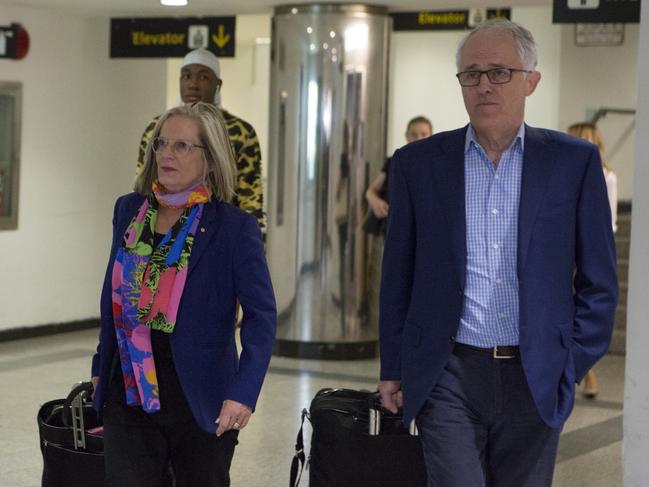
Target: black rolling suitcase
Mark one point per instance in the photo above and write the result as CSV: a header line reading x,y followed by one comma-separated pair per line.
x,y
71,441
355,443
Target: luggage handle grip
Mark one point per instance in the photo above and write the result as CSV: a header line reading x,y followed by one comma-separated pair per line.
x,y
78,389
376,412
374,402
73,412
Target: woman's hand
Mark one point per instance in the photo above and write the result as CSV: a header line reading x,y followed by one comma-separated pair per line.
x,y
380,208
373,195
94,380
233,416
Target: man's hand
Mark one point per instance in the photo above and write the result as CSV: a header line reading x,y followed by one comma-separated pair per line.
x,y
233,415
391,395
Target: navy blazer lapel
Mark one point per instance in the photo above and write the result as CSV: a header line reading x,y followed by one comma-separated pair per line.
x,y
448,169
127,213
207,228
538,161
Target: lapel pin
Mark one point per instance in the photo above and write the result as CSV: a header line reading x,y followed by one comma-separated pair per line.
x,y
202,229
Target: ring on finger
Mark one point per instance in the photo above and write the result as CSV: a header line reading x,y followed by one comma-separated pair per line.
x,y
236,425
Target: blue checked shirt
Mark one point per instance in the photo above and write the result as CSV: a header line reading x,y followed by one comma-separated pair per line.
x,y
492,194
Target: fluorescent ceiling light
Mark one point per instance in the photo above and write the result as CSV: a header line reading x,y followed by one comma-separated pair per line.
x,y
173,3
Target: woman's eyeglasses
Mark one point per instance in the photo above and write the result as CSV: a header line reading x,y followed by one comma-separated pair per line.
x,y
178,146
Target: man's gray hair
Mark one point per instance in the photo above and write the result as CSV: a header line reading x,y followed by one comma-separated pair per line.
x,y
525,44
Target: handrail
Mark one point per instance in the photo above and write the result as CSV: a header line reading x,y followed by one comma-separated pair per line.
x,y
602,112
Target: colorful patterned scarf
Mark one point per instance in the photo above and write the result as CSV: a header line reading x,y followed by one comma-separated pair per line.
x,y
147,285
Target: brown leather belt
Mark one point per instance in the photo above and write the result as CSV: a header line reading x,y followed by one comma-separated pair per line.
x,y
498,352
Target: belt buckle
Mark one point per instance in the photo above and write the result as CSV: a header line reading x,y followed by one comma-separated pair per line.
x,y
497,356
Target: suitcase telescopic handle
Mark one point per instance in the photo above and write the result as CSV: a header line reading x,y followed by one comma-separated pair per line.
x,y
73,412
376,411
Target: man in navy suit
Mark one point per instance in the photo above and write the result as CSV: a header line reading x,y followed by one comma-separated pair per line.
x,y
499,288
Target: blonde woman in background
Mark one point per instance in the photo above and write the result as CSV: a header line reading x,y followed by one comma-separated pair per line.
x,y
418,128
591,133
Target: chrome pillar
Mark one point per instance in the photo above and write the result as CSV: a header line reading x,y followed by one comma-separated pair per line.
x,y
327,138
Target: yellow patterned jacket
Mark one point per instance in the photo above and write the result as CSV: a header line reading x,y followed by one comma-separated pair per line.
x,y
250,195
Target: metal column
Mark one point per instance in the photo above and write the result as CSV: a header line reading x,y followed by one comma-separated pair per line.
x,y
327,138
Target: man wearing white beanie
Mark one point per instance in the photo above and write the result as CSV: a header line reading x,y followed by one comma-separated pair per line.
x,y
200,80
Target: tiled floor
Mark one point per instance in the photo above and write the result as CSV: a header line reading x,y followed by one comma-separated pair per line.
x,y
35,370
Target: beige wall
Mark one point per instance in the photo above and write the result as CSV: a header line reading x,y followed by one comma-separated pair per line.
x,y
636,379
596,77
82,115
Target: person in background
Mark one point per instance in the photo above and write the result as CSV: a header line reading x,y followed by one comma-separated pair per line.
x,y
498,286
200,80
377,192
591,133
169,381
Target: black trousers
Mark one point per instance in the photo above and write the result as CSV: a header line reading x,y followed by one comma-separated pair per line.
x,y
480,427
139,448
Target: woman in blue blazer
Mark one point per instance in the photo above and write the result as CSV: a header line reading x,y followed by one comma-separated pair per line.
x,y
169,381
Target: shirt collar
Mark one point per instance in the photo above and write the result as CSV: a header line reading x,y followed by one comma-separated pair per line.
x,y
470,138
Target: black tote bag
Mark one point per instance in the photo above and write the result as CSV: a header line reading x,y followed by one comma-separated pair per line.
x,y
72,457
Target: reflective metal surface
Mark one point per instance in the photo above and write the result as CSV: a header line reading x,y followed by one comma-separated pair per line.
x,y
327,126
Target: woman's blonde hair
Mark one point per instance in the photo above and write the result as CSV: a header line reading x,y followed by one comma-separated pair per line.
x,y
589,131
220,170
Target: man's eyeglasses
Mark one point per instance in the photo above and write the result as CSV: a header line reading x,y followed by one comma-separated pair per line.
x,y
179,147
497,76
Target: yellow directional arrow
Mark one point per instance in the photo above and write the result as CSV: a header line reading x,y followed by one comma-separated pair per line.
x,y
221,39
